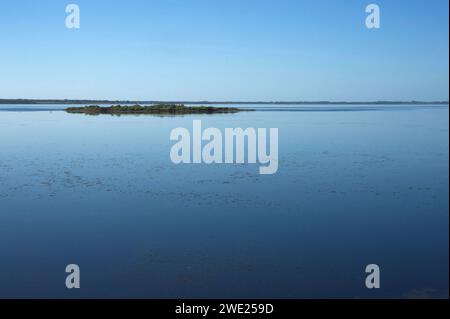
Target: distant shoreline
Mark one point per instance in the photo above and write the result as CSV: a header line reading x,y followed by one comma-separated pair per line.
x,y
89,102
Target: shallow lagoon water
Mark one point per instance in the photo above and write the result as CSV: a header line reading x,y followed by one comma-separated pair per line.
x,y
354,187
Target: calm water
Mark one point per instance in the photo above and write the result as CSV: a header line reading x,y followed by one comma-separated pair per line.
x,y
355,186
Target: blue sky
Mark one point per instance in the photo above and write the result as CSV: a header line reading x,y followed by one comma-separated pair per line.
x,y
225,50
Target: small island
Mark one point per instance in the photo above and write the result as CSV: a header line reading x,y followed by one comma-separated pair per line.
x,y
157,109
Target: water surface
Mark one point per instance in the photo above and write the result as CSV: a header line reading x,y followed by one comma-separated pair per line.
x,y
356,185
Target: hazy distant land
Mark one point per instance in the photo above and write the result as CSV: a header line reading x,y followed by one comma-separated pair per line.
x,y
121,102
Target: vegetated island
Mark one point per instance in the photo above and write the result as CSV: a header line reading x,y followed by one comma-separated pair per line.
x,y
157,109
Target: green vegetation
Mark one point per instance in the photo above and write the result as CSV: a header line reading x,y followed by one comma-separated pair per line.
x,y
158,109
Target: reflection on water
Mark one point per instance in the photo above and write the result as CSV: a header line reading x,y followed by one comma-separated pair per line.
x,y
353,188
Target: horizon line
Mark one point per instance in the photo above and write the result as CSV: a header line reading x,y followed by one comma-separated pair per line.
x,y
107,101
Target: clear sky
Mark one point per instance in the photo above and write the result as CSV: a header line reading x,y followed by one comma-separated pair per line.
x,y
225,50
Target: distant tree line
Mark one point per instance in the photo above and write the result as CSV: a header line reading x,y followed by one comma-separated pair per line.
x,y
90,102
